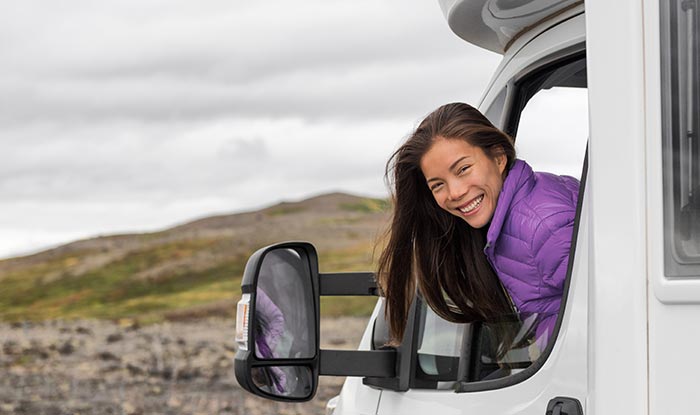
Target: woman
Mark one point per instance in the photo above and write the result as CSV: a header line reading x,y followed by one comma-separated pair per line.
x,y
269,330
481,234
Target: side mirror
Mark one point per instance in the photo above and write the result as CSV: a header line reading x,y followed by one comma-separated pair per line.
x,y
277,323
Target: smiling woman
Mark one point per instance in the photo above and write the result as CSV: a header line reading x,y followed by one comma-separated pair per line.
x,y
487,238
467,187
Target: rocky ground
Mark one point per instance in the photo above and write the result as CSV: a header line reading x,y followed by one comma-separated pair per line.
x,y
97,367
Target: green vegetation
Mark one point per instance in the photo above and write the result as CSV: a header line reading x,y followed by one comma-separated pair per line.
x,y
115,290
367,205
347,306
153,277
355,258
285,209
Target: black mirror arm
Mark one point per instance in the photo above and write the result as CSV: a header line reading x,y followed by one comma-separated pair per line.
x,y
373,363
348,283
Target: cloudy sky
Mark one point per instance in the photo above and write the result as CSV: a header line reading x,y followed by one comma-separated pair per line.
x,y
134,115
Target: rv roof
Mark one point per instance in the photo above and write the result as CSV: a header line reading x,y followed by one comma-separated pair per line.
x,y
496,24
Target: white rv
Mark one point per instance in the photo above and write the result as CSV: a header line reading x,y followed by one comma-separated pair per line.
x,y
613,88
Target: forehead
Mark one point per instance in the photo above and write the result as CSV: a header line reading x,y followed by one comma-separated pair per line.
x,y
445,152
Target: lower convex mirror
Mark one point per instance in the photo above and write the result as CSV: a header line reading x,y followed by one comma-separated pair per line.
x,y
284,381
277,323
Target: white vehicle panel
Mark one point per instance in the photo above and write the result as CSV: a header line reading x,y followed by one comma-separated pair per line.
x,y
618,300
356,398
496,25
674,305
565,36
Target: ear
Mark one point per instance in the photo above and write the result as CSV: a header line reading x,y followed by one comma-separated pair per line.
x,y
501,161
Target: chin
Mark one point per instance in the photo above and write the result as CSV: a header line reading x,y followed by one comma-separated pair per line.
x,y
477,226
476,223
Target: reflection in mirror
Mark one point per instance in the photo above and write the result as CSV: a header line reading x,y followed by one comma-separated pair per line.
x,y
284,308
287,381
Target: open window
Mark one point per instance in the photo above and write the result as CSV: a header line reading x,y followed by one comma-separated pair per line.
x,y
549,117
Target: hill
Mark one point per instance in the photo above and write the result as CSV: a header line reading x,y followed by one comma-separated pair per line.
x,y
188,271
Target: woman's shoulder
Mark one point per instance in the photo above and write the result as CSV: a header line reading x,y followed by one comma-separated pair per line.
x,y
549,200
531,202
548,209
551,188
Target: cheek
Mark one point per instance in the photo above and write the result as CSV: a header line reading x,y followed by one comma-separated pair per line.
x,y
439,199
497,186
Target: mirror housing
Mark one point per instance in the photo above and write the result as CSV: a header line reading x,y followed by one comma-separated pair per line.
x,y
278,325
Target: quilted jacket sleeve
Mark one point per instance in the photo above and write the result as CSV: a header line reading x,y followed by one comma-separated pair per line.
x,y
273,317
551,253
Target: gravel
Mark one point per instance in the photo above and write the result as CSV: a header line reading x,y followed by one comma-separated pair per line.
x,y
98,367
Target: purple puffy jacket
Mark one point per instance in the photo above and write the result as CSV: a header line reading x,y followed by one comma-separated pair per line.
x,y
529,238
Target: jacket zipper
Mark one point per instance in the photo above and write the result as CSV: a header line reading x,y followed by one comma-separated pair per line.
x,y
500,283
510,300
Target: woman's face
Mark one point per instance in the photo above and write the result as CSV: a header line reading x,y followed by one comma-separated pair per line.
x,y
464,180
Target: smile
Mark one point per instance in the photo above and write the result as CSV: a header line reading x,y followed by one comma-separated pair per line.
x,y
471,205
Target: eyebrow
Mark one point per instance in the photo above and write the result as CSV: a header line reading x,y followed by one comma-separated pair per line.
x,y
452,166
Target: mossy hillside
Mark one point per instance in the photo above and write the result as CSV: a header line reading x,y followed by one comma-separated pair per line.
x,y
367,205
186,271
112,291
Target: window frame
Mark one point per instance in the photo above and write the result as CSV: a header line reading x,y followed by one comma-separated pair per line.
x,y
676,264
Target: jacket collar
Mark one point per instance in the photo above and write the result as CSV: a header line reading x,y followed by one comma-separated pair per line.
x,y
518,183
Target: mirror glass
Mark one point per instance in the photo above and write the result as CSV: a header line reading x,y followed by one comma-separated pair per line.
x,y
285,326
287,381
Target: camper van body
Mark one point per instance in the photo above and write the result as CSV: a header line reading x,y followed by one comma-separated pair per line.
x,y
629,328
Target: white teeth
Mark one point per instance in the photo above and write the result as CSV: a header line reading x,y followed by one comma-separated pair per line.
x,y
473,205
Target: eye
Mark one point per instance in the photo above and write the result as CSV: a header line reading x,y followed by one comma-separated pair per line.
x,y
463,169
435,187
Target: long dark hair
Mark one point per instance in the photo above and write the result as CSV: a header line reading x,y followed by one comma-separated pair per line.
x,y
429,247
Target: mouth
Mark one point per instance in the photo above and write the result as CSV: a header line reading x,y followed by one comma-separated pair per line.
x,y
471,206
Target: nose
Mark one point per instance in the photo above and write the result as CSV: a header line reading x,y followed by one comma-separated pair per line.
x,y
456,191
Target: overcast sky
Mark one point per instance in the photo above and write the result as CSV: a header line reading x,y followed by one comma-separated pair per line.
x,y
135,115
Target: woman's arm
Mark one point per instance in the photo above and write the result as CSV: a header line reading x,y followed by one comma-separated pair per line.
x,y
552,254
273,316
